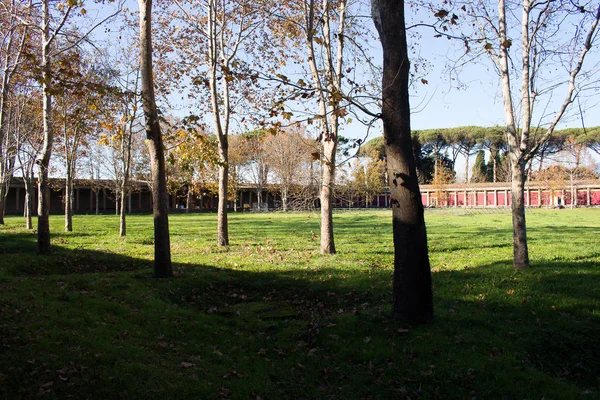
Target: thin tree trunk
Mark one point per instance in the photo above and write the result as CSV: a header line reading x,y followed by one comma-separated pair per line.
x,y
160,197
222,226
520,251
69,199
516,148
328,177
122,211
412,294
3,192
467,165
28,208
43,160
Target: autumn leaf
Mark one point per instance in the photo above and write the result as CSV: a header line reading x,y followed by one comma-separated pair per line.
x,y
441,14
186,364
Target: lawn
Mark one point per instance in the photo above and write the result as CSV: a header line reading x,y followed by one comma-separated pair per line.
x,y
271,318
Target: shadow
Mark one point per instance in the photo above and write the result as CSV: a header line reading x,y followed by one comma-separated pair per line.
x,y
496,332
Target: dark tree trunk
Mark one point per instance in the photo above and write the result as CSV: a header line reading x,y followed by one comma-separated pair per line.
x,y
160,197
122,217
3,192
412,294
69,199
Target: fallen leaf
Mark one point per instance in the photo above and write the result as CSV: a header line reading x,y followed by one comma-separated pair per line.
x,y
186,364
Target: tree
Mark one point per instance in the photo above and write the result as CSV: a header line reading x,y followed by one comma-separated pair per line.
x,y
215,46
77,102
28,138
492,140
412,298
160,198
257,168
534,60
479,168
15,38
52,25
287,156
123,113
368,177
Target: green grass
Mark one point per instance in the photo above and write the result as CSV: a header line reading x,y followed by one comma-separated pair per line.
x,y
271,318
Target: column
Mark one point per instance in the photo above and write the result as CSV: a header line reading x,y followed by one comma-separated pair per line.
x,y
466,199
495,197
77,199
18,198
540,198
588,197
505,197
485,198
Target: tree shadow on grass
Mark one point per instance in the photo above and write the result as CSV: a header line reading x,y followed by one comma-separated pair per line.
x,y
494,333
547,314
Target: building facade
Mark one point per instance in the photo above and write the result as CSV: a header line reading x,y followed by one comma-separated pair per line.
x,y
100,197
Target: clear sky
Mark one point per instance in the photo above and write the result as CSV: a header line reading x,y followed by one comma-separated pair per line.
x,y
478,101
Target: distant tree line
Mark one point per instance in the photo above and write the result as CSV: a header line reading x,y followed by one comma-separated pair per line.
x,y
436,152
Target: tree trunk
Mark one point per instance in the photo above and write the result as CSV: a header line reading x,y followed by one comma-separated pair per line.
x,y
3,192
69,200
43,160
328,177
284,196
160,197
467,165
520,251
494,154
122,217
222,226
188,201
412,294
28,208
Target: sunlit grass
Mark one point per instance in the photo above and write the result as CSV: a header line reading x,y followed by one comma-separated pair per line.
x,y
270,317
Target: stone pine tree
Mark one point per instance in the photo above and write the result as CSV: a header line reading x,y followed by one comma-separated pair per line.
x,y
160,198
412,294
479,168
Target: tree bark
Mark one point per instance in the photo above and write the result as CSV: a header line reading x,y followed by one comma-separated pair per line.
x,y
69,199
2,202
28,209
222,225
122,210
328,177
412,294
517,188
43,160
160,197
